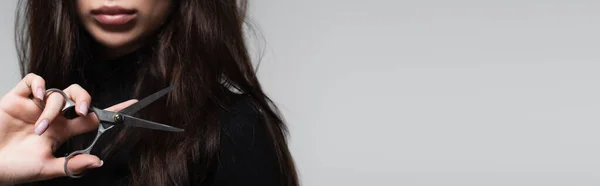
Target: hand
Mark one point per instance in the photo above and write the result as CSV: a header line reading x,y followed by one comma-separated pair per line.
x,y
29,135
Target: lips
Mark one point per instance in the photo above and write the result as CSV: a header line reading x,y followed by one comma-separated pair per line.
x,y
114,15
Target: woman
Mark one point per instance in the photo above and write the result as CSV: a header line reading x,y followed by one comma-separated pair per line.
x,y
109,53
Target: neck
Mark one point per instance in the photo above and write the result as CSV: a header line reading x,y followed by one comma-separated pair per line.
x,y
104,53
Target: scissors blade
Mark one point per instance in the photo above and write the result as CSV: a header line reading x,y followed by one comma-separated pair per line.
x,y
137,122
146,101
104,115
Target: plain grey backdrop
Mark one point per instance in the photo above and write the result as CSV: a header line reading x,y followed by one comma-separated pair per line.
x,y
428,92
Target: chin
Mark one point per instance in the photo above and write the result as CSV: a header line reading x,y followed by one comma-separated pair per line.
x,y
113,40
113,44
116,41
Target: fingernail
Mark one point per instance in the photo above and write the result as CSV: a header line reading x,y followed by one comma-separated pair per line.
x,y
97,165
40,93
83,108
41,127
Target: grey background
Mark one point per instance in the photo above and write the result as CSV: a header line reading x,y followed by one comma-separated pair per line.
x,y
429,92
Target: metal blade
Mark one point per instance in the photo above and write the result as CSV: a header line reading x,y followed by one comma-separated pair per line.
x,y
137,122
104,115
146,101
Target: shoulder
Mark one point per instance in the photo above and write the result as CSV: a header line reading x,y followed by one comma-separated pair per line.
x,y
243,127
241,122
246,155
238,109
237,104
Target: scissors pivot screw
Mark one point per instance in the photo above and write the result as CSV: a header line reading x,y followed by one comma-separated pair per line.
x,y
118,118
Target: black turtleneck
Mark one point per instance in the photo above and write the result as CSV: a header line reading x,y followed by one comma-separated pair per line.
x,y
244,157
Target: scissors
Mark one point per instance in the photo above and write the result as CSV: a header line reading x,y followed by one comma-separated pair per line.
x,y
110,119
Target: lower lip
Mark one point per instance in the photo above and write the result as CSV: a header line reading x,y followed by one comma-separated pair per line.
x,y
118,19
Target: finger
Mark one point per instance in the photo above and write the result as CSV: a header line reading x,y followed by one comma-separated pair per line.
x,y
81,97
31,83
77,165
121,106
53,107
21,108
77,126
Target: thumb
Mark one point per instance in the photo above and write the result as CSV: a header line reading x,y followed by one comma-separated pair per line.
x,y
77,165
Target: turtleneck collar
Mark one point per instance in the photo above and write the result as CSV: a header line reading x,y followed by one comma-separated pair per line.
x,y
111,82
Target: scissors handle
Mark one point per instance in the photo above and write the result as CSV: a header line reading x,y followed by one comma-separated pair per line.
x,y
73,154
68,109
69,112
101,130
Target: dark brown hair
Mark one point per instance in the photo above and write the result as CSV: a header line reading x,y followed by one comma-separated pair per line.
x,y
200,46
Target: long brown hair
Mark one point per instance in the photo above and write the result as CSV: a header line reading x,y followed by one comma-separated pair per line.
x,y
199,48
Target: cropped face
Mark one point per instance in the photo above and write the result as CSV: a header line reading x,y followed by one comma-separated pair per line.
x,y
122,24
